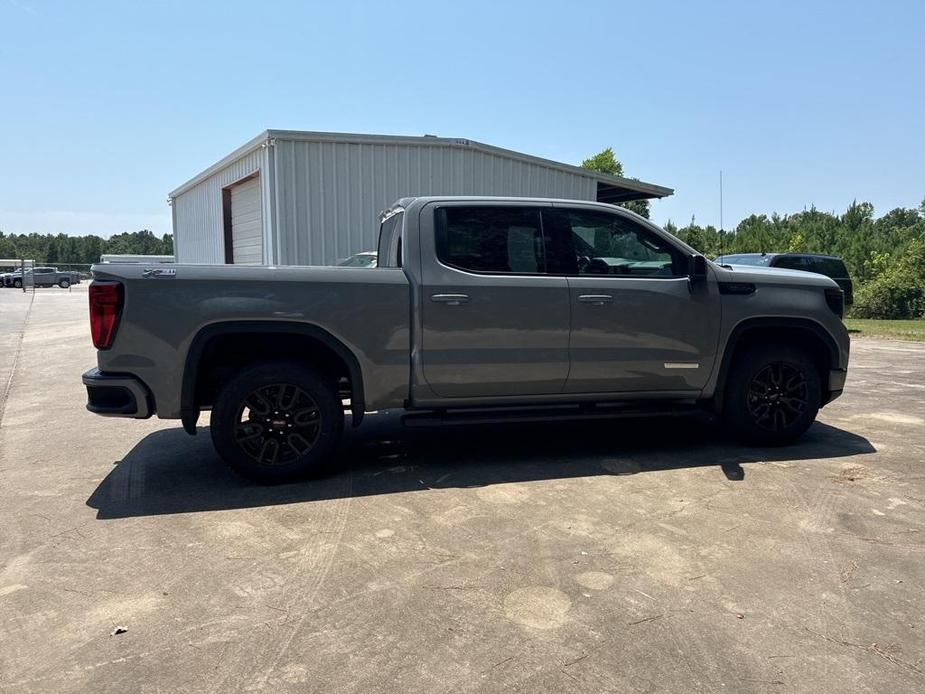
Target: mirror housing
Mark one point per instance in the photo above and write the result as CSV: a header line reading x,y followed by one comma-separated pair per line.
x,y
696,269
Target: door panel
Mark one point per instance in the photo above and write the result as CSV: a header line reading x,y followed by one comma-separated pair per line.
x,y
495,336
502,330
651,335
637,324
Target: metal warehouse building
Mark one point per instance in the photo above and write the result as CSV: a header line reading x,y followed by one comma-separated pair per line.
x,y
307,198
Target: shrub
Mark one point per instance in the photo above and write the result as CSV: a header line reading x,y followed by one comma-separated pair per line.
x,y
890,297
897,293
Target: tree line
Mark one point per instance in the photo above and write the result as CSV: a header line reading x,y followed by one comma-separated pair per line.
x,y
61,249
885,255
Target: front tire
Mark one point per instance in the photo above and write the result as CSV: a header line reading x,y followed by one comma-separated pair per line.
x,y
278,422
773,395
64,284
17,284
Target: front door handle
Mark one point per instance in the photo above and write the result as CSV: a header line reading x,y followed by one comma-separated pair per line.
x,y
596,299
450,299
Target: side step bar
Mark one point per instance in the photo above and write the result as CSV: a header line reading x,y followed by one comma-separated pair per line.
x,y
509,415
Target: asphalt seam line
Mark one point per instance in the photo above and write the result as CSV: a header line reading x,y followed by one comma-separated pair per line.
x,y
16,353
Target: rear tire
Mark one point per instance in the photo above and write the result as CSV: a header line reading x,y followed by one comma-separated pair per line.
x,y
278,422
17,284
772,396
64,284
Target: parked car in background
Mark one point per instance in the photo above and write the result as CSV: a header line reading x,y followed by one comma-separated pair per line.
x,y
41,277
828,265
14,278
364,259
480,310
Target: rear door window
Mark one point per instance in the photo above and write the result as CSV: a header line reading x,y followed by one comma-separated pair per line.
x,y
831,267
491,239
793,262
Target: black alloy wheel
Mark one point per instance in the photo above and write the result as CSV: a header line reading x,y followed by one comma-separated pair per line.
x,y
778,396
772,395
278,421
277,424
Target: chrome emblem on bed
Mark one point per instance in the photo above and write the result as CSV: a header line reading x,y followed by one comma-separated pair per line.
x,y
150,272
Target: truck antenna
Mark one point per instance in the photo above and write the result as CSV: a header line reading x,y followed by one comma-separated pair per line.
x,y
721,232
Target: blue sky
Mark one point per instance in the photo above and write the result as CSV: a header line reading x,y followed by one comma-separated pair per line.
x,y
106,107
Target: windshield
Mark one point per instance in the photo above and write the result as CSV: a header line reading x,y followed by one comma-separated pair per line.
x,y
745,259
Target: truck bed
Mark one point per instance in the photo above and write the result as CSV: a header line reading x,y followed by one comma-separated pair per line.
x,y
167,306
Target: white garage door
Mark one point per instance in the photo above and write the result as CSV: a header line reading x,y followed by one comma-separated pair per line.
x,y
246,223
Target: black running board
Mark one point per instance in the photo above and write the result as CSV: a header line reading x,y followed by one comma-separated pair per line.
x,y
510,415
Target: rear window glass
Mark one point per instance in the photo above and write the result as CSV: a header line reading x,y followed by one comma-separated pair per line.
x,y
388,231
491,239
831,267
794,262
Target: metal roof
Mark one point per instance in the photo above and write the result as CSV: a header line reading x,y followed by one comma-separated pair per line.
x,y
610,188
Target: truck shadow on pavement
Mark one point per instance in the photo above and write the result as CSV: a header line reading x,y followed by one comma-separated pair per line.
x,y
170,472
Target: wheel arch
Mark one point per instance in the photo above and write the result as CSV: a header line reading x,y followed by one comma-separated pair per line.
x,y
809,335
326,345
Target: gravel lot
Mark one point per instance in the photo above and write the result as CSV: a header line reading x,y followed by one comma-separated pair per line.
x,y
614,557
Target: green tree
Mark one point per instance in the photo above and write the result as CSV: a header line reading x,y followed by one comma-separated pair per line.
x,y
606,162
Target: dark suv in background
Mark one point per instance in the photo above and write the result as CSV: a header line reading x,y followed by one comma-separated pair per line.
x,y
828,265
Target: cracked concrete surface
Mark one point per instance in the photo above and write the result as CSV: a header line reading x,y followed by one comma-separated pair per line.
x,y
607,557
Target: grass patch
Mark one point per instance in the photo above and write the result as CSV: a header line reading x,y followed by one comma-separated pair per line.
x,y
895,329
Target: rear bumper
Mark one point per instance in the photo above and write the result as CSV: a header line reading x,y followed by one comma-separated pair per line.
x,y
117,395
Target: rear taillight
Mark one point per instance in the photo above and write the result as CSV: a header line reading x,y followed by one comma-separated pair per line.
x,y
105,309
835,298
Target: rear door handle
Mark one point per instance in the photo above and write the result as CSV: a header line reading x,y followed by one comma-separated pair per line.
x,y
450,299
596,299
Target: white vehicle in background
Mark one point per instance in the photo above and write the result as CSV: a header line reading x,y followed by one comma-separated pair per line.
x,y
363,259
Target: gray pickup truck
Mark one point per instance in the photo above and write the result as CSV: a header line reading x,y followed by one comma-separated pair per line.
x,y
480,309
40,277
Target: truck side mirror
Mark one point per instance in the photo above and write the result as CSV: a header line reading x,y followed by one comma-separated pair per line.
x,y
696,269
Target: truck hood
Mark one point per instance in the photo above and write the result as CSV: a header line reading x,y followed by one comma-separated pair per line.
x,y
772,276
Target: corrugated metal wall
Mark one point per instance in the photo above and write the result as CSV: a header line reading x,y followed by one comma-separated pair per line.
x,y
321,199
197,213
329,194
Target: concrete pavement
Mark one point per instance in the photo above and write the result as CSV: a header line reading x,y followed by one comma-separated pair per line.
x,y
567,558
